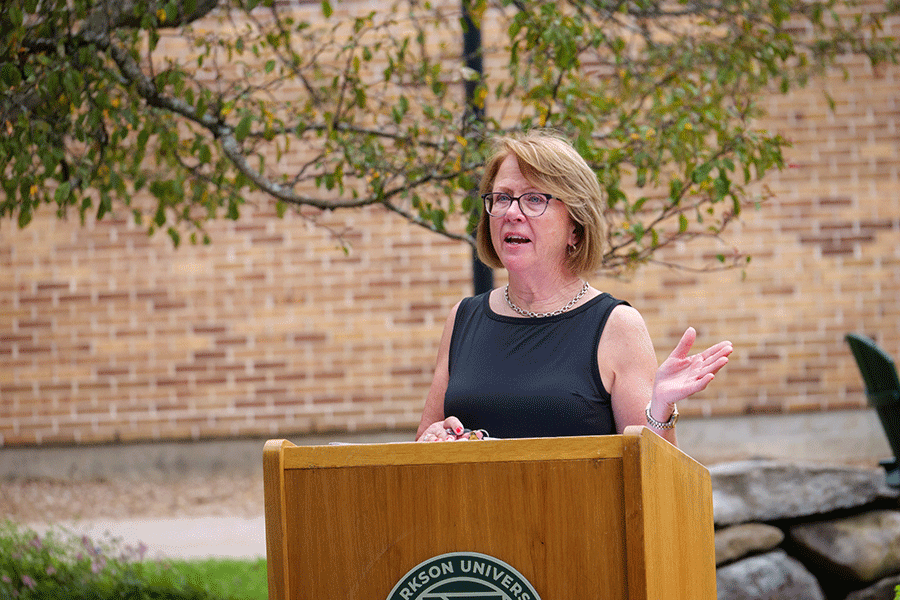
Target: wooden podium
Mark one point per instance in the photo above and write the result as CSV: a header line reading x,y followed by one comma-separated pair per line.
x,y
587,518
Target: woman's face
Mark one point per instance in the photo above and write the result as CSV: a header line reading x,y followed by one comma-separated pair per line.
x,y
525,243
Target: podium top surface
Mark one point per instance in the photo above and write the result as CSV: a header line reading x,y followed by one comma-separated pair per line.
x,y
484,451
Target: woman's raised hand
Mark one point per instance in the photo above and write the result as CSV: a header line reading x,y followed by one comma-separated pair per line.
x,y
680,375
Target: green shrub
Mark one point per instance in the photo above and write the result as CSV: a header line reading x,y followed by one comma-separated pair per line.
x,y
61,564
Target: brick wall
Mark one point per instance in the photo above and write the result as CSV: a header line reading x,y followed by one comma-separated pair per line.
x,y
108,335
825,258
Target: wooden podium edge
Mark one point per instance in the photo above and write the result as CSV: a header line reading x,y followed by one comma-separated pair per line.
x,y
650,519
276,518
633,495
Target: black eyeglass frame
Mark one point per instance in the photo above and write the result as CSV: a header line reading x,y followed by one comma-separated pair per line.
x,y
485,197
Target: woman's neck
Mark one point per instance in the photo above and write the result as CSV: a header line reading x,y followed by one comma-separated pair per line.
x,y
545,294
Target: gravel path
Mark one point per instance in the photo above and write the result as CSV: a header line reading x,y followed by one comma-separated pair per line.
x,y
47,501
51,500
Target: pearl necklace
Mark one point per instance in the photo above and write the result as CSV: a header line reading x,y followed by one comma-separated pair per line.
x,y
534,315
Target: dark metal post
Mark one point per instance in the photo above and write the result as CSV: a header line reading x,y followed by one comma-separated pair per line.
x,y
482,275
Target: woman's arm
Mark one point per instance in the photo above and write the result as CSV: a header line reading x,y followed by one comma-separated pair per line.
x,y
629,371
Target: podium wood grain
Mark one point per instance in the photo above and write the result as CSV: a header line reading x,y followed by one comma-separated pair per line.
x,y
598,518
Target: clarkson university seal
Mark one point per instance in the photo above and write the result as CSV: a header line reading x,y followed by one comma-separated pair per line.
x,y
463,576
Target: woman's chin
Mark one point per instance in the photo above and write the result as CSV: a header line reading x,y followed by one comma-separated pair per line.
x,y
516,263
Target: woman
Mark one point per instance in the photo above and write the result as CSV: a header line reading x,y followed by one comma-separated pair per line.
x,y
549,355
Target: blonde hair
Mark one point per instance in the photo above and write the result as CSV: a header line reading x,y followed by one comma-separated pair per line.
x,y
551,164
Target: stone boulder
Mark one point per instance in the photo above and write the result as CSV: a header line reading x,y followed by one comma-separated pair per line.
x,y
738,541
883,590
770,576
865,547
766,490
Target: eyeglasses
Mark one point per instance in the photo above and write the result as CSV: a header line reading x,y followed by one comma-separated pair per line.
x,y
531,204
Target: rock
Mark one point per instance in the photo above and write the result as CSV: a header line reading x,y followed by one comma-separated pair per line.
x,y
764,490
883,590
865,546
738,541
772,576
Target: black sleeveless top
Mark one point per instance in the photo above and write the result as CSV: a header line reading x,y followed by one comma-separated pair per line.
x,y
529,377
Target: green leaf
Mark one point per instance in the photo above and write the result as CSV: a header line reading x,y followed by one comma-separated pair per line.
x,y
103,206
160,217
10,74
722,186
171,11
675,189
327,9
243,129
641,179
637,230
614,195
233,212
702,172
62,193
25,214
14,15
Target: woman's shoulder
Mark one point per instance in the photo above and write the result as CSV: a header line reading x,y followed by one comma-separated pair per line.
x,y
465,308
472,303
624,322
625,313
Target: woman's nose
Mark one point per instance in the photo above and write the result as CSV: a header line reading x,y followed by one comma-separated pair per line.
x,y
518,214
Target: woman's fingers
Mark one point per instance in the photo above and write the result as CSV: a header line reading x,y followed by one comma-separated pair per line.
x,y
453,426
684,345
448,430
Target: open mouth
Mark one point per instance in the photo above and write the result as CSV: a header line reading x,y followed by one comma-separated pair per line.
x,y
516,239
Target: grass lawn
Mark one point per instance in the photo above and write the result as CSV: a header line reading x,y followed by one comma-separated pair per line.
x,y
221,577
62,565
